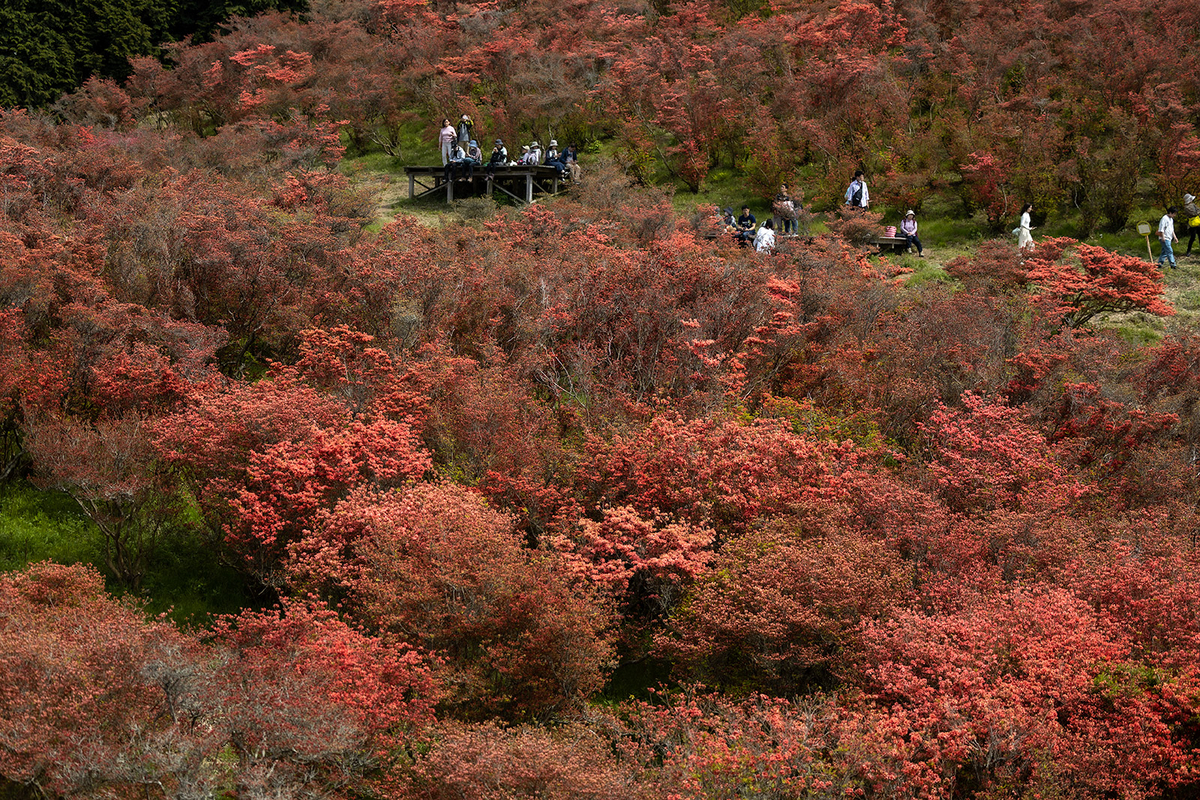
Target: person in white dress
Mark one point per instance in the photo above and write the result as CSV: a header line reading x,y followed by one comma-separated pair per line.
x,y
1024,237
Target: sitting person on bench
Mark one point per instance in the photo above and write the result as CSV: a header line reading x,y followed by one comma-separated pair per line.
x,y
908,229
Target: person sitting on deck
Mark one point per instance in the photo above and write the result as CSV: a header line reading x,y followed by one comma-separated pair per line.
x,y
474,154
570,157
535,154
499,158
554,158
458,160
523,159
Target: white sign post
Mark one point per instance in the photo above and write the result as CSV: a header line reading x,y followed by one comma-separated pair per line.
x,y
1144,230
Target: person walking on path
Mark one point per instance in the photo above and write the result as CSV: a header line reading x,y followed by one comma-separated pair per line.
x,y
1166,232
1193,217
857,194
1024,235
446,138
908,227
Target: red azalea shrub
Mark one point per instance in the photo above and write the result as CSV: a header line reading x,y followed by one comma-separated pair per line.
x,y
439,569
1025,689
780,608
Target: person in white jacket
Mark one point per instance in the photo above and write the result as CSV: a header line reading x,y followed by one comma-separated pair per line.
x,y
857,194
764,240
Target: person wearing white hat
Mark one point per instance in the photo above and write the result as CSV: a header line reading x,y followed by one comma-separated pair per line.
x,y
908,227
1193,217
554,159
535,153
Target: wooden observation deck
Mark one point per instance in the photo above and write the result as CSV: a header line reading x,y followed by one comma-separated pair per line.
x,y
521,182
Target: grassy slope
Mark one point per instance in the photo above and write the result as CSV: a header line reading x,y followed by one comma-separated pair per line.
x,y
944,236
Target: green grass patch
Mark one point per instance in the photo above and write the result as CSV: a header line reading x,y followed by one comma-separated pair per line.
x,y
376,162
724,187
187,580
184,577
44,526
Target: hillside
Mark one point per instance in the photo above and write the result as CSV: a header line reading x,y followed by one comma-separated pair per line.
x,y
310,489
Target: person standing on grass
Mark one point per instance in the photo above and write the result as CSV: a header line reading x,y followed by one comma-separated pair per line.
x,y
446,138
908,227
1193,217
1166,232
1024,234
857,194
785,209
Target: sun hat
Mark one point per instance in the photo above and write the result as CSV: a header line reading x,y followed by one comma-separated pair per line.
x,y
1187,198
554,142
535,144
474,143
524,147
909,213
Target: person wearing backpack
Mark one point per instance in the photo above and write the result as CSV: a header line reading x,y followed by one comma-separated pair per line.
x,y
785,209
1193,217
857,194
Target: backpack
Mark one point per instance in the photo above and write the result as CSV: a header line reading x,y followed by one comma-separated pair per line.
x,y
856,198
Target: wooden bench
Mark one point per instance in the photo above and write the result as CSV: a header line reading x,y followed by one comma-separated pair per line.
x,y
893,243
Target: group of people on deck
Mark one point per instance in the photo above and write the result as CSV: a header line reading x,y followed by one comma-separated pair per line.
x,y
461,154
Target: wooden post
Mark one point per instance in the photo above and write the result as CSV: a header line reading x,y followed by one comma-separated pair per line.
x,y
1144,229
529,187
412,184
450,191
